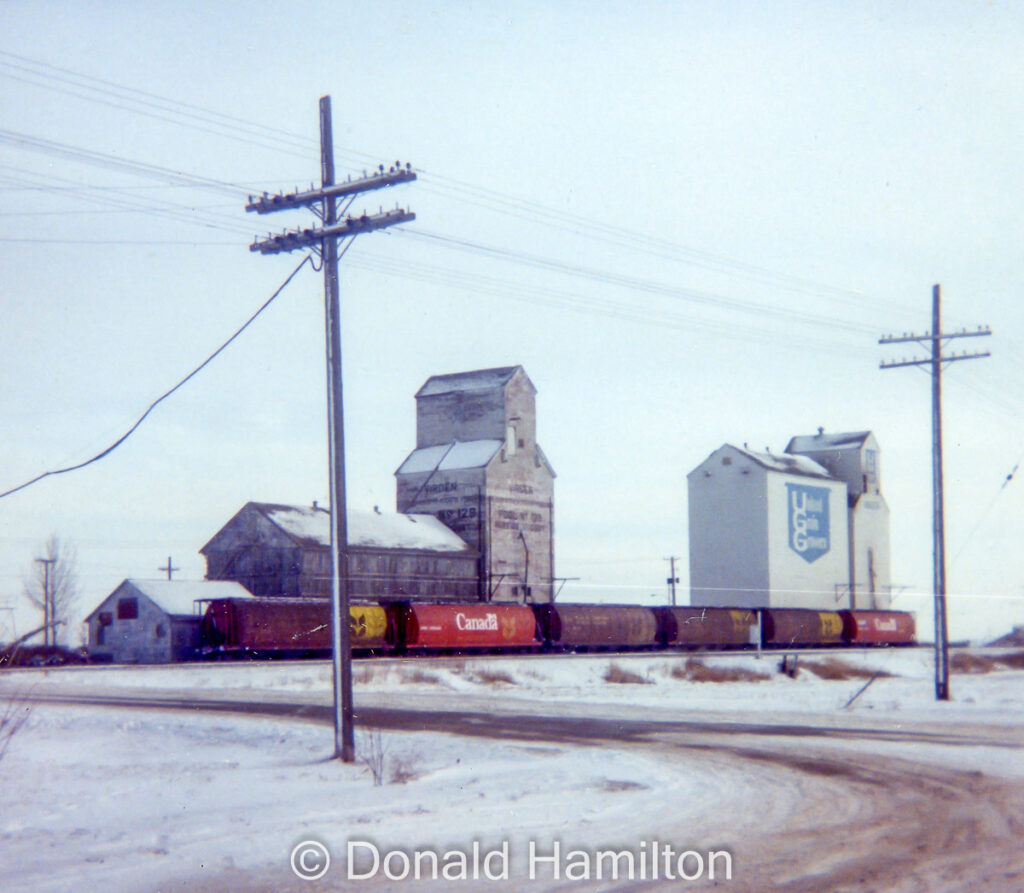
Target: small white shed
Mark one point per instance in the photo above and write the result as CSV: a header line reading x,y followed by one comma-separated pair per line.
x,y
153,621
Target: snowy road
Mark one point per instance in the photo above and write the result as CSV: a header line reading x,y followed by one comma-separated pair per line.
x,y
805,800
541,721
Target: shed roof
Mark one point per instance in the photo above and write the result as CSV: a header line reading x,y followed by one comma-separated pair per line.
x,y
477,380
388,530
810,443
450,456
178,597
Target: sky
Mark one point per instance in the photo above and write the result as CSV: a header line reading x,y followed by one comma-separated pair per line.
x,y
689,222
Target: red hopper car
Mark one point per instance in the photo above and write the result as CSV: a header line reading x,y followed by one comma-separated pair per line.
x,y
459,627
878,627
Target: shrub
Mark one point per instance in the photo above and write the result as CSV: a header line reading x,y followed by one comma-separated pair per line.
x,y
1014,661
619,676
831,668
494,677
697,671
403,769
364,675
962,662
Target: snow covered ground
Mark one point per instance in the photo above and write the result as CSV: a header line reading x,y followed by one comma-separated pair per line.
x,y
663,684
99,798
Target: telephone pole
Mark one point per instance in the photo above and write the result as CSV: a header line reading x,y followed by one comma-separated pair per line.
x,y
48,636
170,569
934,340
673,580
323,241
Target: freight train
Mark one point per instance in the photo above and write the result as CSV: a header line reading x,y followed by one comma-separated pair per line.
x,y
298,627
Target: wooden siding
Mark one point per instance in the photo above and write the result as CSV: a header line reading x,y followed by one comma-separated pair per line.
x,y
373,573
505,509
150,637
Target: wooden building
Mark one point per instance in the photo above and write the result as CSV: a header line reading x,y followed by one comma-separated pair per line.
x,y
284,550
152,621
478,468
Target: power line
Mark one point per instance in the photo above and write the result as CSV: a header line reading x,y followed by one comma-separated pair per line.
x,y
104,159
578,303
177,211
193,242
151,207
664,248
109,196
166,394
299,144
603,277
143,99
194,116
461,190
609,278
94,211
169,118
988,510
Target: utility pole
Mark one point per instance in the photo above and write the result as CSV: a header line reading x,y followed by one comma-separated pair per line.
x,y
673,580
170,568
934,340
48,637
323,241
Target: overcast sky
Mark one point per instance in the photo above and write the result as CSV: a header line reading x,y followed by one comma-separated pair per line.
x,y
689,222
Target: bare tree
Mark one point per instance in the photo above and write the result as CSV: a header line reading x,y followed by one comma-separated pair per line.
x,y
373,751
54,573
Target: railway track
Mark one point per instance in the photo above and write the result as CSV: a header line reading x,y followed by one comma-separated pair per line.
x,y
441,660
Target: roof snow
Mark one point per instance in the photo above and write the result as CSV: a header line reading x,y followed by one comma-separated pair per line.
x,y
179,596
387,530
478,380
786,463
810,443
450,456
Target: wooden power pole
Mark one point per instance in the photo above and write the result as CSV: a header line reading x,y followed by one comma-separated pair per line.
x,y
169,569
49,635
324,242
934,341
673,580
